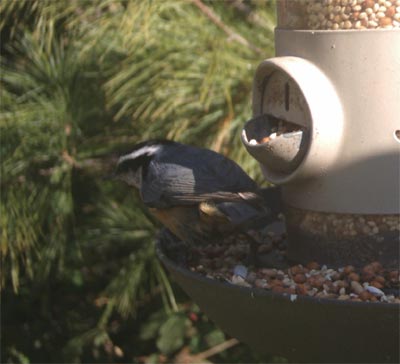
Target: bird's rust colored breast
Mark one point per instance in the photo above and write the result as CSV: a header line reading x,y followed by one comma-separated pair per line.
x,y
178,219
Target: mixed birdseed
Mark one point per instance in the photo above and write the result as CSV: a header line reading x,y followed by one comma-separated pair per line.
x,y
339,14
344,225
281,128
225,262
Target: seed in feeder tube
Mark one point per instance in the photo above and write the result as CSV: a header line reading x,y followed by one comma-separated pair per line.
x,y
347,24
272,136
265,140
390,12
369,3
385,21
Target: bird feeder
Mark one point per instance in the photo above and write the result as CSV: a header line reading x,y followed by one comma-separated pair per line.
x,y
326,126
326,129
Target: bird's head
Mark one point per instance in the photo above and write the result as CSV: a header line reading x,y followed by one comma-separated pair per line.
x,y
131,166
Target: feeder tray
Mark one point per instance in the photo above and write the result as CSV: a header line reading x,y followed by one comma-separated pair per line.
x,y
300,328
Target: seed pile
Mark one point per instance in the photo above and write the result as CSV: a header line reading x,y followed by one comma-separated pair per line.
x,y
281,128
372,283
345,14
343,226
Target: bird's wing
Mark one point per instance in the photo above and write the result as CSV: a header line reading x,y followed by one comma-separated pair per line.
x,y
237,212
191,175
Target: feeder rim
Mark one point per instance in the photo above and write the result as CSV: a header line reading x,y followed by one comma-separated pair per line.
x,y
263,292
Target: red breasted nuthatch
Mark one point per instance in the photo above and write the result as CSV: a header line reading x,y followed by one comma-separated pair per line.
x,y
198,194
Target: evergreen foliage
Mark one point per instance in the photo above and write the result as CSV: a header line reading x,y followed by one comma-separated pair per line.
x,y
81,81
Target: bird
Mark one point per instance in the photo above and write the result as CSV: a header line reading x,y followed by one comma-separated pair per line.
x,y
197,194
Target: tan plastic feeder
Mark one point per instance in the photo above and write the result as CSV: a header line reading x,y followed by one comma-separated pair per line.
x,y
326,125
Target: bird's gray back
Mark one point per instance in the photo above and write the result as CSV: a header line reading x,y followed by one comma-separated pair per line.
x,y
186,175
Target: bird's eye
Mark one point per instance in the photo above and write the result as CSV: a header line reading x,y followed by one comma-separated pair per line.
x,y
133,164
127,165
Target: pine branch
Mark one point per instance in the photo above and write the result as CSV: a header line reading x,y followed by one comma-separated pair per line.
x,y
251,16
231,33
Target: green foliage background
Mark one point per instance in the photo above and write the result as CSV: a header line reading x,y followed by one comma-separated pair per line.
x,y
81,81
